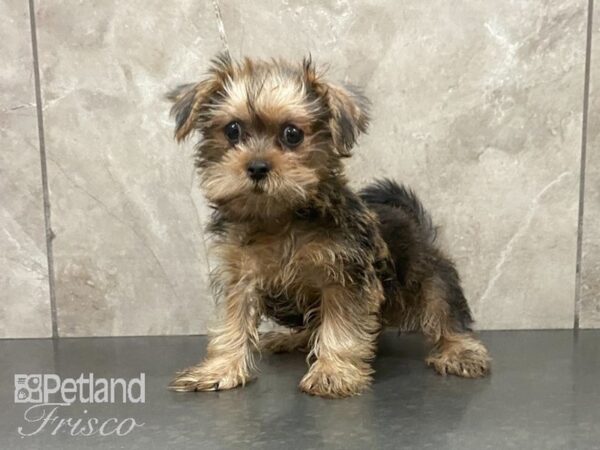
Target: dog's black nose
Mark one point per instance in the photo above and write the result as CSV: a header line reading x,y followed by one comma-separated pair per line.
x,y
258,169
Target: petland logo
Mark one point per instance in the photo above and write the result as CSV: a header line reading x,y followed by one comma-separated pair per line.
x,y
51,395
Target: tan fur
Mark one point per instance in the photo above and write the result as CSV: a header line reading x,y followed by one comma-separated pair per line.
x,y
225,184
229,362
460,354
344,343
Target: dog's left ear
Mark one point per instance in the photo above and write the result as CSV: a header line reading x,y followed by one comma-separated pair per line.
x,y
349,116
348,109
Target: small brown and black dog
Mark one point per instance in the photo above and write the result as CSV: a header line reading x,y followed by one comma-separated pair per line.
x,y
296,245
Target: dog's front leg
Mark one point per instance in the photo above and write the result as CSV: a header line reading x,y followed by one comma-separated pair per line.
x,y
229,361
344,343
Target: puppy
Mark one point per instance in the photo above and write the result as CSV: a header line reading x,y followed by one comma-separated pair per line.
x,y
296,245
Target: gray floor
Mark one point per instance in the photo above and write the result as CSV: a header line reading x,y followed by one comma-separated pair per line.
x,y
544,393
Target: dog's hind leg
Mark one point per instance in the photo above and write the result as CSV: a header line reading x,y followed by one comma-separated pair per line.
x,y
445,321
286,341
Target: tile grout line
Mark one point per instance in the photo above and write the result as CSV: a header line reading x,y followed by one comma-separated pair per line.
x,y
586,95
42,144
221,26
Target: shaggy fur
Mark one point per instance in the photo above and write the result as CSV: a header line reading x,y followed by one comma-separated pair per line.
x,y
298,246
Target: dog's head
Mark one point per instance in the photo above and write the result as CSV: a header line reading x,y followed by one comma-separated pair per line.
x,y
270,133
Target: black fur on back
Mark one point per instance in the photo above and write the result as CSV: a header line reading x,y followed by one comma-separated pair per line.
x,y
410,235
389,193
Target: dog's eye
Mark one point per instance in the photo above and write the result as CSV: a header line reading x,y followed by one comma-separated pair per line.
x,y
291,136
233,132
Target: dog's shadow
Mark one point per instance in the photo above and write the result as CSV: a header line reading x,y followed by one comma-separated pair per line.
x,y
399,355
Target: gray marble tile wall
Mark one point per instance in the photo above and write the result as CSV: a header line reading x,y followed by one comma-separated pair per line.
x,y
24,285
478,106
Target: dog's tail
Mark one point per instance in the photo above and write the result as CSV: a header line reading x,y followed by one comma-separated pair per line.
x,y
389,193
405,226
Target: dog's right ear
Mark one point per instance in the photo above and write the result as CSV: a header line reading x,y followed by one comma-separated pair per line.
x,y
191,100
186,99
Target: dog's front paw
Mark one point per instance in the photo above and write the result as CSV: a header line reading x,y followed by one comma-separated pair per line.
x,y
331,380
210,376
